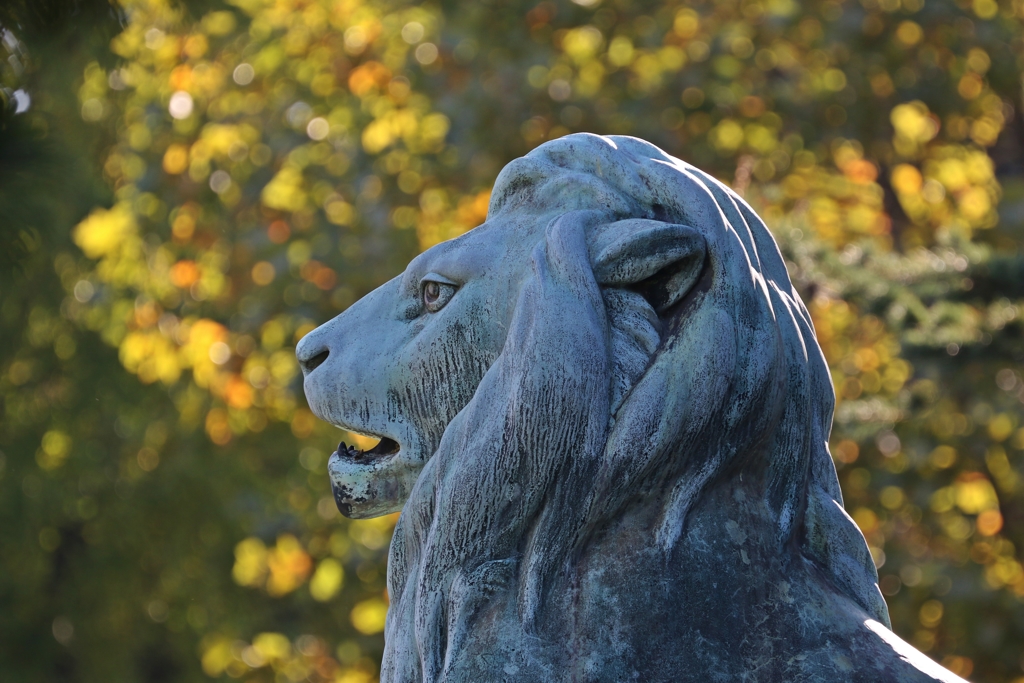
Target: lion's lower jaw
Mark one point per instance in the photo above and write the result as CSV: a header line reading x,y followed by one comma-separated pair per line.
x,y
724,604
371,486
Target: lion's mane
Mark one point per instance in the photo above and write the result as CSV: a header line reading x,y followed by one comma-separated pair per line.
x,y
659,347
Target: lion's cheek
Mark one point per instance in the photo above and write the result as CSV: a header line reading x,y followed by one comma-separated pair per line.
x,y
365,490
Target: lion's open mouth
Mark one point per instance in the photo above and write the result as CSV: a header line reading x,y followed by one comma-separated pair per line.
x,y
385,447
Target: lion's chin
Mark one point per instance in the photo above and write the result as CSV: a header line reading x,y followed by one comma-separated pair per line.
x,y
371,483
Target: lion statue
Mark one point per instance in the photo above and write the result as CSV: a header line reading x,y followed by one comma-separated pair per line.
x,y
604,416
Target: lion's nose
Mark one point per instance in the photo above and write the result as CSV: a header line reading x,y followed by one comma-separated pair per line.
x,y
315,362
311,353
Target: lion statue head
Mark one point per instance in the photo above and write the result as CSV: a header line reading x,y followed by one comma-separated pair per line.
x,y
601,411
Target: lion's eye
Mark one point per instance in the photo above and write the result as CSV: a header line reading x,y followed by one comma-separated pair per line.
x,y
436,294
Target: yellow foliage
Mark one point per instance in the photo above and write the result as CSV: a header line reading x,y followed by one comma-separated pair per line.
x,y
218,23
943,499
354,676
866,519
273,335
201,337
217,655
338,210
250,562
943,456
433,130
289,566
366,77
54,450
892,497
727,136
975,203
582,44
931,613
218,427
1000,427
368,616
472,210
906,179
985,9
175,159
104,230
989,522
217,141
283,366
975,494
272,646
151,356
686,23
263,273
184,273
56,443
285,190
327,580
909,33
914,121
761,138
620,51
238,393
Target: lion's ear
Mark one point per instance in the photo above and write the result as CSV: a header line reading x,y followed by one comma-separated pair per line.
x,y
660,260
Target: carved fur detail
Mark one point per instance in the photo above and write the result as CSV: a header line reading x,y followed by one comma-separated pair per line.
x,y
634,392
532,466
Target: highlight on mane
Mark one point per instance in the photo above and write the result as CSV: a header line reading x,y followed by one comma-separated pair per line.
x,y
627,178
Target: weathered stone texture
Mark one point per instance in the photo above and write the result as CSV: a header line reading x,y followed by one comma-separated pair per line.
x,y
604,417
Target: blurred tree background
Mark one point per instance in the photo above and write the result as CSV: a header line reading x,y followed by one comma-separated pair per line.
x,y
189,187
